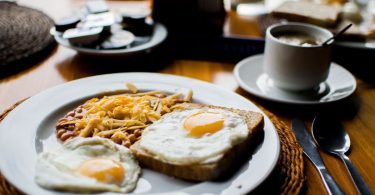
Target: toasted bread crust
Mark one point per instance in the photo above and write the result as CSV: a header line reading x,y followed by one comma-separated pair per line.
x,y
210,171
309,12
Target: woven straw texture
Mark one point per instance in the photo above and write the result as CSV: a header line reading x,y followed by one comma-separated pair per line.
x,y
290,166
24,32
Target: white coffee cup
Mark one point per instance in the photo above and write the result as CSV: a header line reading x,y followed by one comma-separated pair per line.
x,y
296,67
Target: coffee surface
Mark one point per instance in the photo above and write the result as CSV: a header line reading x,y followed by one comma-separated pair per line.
x,y
299,39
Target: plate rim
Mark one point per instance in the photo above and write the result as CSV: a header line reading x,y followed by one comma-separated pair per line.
x,y
243,85
272,129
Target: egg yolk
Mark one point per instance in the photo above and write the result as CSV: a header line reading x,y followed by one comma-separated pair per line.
x,y
103,170
202,123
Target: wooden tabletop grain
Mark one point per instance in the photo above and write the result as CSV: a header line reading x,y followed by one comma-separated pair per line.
x,y
356,113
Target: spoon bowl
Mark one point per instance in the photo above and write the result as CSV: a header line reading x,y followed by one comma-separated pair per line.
x,y
330,135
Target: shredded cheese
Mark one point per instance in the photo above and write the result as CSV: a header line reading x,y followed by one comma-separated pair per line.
x,y
119,116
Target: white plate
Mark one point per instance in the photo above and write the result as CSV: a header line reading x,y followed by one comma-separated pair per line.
x,y
30,129
250,76
158,36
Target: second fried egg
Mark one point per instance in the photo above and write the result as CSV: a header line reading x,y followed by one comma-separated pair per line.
x,y
88,165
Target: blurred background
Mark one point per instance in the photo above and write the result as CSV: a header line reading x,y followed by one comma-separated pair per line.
x,y
215,30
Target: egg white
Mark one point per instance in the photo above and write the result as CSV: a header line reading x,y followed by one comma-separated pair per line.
x,y
168,141
58,169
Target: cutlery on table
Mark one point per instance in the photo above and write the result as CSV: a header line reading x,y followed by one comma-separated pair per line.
x,y
332,138
310,149
338,34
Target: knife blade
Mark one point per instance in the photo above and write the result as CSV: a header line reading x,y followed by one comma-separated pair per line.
x,y
310,150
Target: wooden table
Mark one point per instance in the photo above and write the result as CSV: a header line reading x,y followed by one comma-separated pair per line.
x,y
63,65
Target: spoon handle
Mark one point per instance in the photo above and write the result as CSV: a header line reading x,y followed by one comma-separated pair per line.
x,y
329,182
358,180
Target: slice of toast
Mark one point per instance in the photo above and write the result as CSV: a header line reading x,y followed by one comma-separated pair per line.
x,y
309,12
207,171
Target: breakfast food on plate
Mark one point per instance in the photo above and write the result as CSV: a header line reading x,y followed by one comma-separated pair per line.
x,y
105,138
120,118
333,15
197,142
309,12
88,165
164,131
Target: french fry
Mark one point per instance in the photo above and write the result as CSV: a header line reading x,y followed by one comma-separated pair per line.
x,y
188,96
132,87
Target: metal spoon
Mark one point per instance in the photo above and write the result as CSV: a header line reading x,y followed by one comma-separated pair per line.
x,y
332,137
338,34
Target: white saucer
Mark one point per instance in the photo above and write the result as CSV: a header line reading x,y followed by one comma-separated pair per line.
x,y
250,76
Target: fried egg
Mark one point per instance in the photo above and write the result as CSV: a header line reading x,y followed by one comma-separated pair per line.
x,y
88,165
194,136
